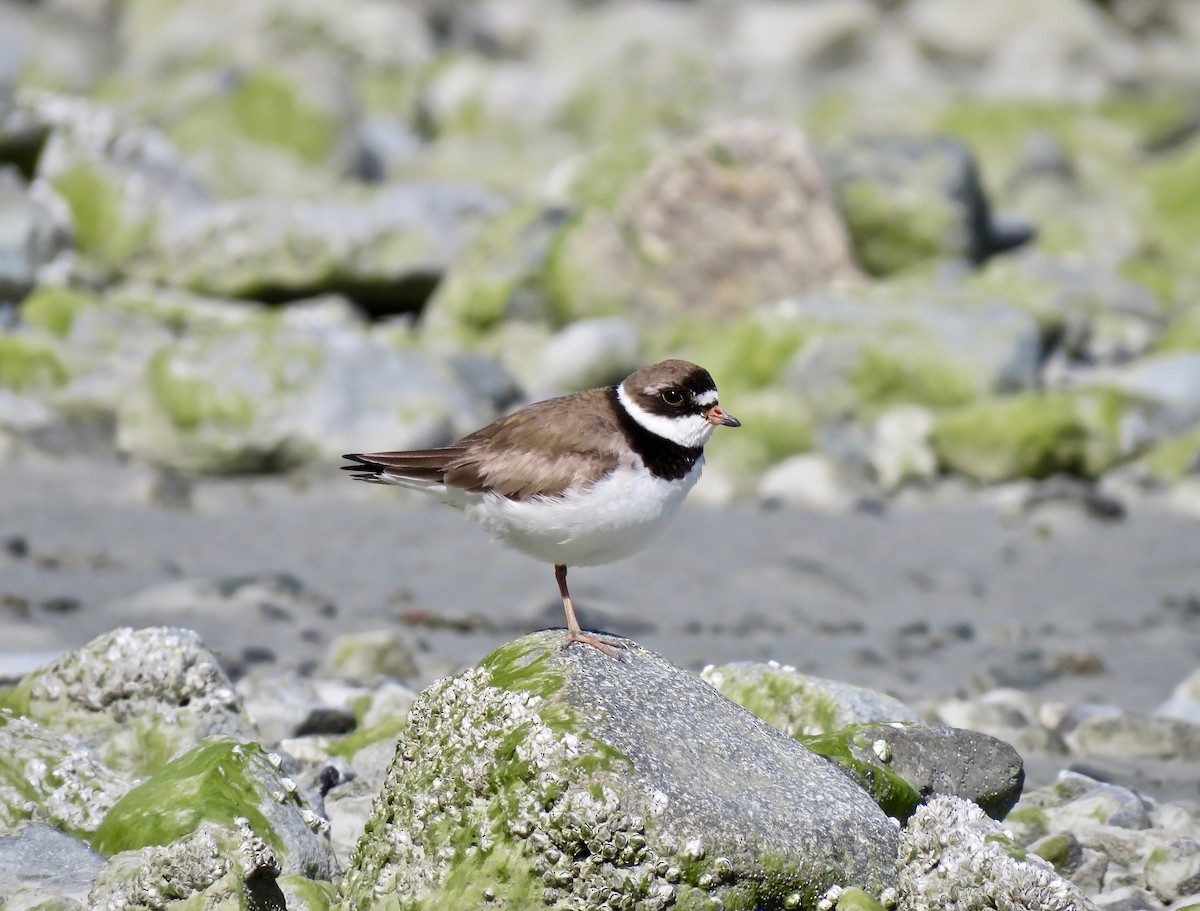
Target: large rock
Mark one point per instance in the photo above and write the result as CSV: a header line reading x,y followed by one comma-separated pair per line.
x,y
136,697
552,778
280,389
738,217
386,251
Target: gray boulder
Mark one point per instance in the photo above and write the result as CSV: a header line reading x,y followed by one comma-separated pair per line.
x,y
953,858
931,761
567,777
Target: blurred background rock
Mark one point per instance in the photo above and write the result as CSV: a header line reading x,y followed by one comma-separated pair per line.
x,y
243,235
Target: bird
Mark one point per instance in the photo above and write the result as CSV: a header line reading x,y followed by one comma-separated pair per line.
x,y
578,480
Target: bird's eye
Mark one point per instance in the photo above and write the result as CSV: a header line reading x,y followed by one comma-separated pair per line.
x,y
673,397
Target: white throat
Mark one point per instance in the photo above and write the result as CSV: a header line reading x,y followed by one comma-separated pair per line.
x,y
689,430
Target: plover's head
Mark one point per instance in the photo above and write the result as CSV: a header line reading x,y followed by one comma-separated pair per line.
x,y
675,400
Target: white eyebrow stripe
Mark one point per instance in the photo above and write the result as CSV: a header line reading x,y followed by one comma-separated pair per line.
x,y
706,398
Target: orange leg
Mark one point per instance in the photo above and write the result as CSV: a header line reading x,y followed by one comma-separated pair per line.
x,y
575,633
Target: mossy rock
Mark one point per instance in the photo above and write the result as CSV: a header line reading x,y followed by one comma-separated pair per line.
x,y
1033,435
53,777
53,308
29,363
1170,460
551,778
137,697
221,781
108,232
801,704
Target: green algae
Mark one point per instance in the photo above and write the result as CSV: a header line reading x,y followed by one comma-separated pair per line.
x,y
191,401
263,107
28,363
1032,435
891,792
53,308
890,233
104,231
883,378
217,781
1171,459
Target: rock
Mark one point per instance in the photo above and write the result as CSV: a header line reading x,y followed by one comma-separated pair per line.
x,y
116,179
784,40
386,252
1032,435
53,778
1003,718
30,236
1168,383
586,354
909,201
865,352
287,705
601,802
40,864
738,217
217,866
900,450
136,697
1128,734
953,856
278,392
933,760
801,704
1184,701
218,782
1007,50
811,481
364,657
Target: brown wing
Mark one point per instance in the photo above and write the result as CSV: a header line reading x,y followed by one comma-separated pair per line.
x,y
536,451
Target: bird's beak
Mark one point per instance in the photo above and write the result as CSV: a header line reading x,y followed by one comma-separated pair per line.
x,y
717,417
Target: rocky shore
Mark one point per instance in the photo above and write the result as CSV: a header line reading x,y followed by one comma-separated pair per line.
x,y
942,266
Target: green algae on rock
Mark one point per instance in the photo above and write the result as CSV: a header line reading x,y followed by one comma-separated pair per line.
x,y
225,867
136,697
565,779
953,856
220,781
1033,435
800,704
54,777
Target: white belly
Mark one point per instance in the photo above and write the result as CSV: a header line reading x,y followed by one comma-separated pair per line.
x,y
610,521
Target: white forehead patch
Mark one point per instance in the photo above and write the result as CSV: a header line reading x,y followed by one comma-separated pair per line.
x,y
689,430
706,398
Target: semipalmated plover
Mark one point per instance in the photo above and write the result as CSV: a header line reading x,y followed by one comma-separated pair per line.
x,y
577,480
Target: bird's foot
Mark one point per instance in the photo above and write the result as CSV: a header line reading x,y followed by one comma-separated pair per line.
x,y
606,646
